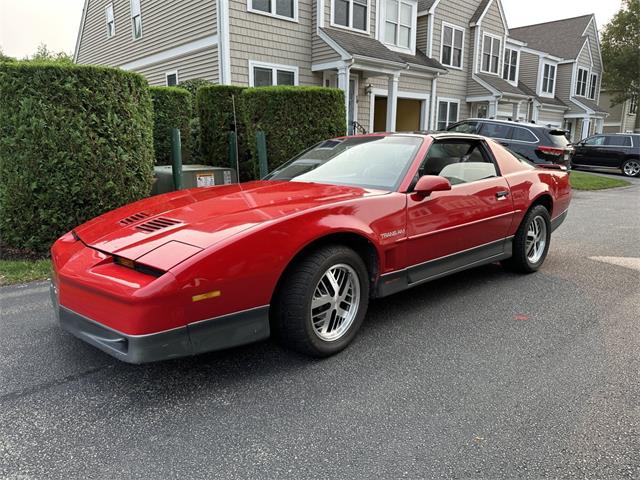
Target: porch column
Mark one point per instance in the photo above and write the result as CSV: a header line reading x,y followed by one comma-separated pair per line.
x,y
516,112
493,109
392,102
586,123
343,84
434,102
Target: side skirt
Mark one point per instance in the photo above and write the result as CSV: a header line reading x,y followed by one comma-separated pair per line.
x,y
400,280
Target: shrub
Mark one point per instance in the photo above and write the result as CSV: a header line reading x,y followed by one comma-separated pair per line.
x,y
75,141
215,107
171,109
292,118
193,85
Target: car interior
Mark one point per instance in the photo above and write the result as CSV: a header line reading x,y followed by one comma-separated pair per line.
x,y
459,161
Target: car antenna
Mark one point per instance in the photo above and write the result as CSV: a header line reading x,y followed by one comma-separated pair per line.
x,y
235,129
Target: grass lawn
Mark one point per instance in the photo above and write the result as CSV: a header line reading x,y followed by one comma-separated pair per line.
x,y
22,271
587,181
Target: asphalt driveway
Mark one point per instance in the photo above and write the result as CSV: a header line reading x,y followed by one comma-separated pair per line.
x,y
483,375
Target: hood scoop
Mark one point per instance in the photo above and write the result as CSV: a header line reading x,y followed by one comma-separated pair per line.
x,y
133,219
157,224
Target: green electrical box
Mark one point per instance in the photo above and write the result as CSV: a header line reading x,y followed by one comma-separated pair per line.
x,y
192,176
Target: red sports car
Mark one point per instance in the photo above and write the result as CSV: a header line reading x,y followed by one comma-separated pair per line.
x,y
300,253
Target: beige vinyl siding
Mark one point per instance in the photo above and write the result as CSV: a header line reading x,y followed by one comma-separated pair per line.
x,y
550,116
529,68
270,40
564,87
321,52
454,84
492,23
475,89
583,59
593,43
163,27
203,64
422,33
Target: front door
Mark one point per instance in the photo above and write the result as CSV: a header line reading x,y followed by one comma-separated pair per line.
x,y
465,225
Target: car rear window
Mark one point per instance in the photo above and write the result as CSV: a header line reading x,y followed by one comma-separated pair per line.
x,y
618,141
558,138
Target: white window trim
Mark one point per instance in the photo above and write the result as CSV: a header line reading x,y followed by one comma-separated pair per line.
x,y
351,29
517,50
166,77
586,90
131,15
273,13
595,90
448,101
542,93
382,18
500,52
455,27
113,18
274,67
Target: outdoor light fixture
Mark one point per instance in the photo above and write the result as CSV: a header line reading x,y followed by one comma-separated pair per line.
x,y
368,89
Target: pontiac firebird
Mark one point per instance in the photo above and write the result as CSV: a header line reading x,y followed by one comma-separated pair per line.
x,y
300,253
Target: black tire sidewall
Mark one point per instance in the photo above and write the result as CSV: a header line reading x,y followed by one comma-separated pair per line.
x,y
537,211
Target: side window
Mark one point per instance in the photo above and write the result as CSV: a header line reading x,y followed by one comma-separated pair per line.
x,y
459,161
618,141
524,135
466,127
594,141
495,130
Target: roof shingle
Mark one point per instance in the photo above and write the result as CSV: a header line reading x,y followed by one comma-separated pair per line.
x,y
479,11
501,85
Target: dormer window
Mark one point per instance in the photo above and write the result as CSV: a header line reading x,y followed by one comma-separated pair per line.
x,y
490,54
452,51
593,83
399,26
353,14
549,79
581,84
510,65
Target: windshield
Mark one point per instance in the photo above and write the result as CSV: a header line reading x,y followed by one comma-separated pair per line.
x,y
369,162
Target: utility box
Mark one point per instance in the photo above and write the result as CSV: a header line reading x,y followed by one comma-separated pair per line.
x,y
192,176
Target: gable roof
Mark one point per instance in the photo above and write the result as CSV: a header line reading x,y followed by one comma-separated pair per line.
x,y
479,12
425,5
545,100
562,38
500,85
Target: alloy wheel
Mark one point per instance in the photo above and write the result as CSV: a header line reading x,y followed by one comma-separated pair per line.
x,y
335,302
632,168
536,239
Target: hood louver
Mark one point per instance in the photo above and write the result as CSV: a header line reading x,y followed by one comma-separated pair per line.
x,y
133,219
157,224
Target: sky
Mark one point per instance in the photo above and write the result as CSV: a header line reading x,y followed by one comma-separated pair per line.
x,y
25,24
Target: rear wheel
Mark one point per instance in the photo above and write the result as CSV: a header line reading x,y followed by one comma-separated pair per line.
x,y
631,168
322,301
531,243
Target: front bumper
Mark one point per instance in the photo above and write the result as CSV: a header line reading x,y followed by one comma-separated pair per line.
x,y
208,335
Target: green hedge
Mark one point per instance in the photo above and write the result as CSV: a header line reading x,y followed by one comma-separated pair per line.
x,y
171,109
75,141
193,85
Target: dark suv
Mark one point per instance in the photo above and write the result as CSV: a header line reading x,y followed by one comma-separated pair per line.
x,y
615,151
537,143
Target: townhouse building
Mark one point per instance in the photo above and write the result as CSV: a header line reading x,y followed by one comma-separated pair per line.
x,y
403,64
622,116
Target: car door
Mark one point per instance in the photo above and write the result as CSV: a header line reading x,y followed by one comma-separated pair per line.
x,y
465,225
615,150
589,151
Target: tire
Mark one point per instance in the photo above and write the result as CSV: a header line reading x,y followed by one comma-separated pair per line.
x,y
527,258
308,280
631,168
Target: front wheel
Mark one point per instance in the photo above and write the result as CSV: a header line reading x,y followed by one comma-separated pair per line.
x,y
531,243
631,168
322,301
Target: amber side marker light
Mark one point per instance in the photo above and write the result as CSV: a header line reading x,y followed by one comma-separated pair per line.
x,y
205,296
128,263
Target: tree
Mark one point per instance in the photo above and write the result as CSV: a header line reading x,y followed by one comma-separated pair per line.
x,y
46,55
621,54
5,58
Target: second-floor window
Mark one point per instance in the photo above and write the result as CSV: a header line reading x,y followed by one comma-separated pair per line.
x,y
490,54
111,22
398,28
452,46
510,65
581,84
136,19
351,14
549,79
277,8
593,84
633,105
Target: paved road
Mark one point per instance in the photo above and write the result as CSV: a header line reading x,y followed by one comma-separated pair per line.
x,y
482,375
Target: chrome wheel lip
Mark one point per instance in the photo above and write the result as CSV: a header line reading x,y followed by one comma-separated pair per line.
x,y
536,239
631,168
335,302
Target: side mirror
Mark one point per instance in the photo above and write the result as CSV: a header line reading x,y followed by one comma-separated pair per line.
x,y
427,184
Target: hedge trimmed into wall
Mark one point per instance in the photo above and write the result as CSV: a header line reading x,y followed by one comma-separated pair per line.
x,y
292,118
75,141
171,109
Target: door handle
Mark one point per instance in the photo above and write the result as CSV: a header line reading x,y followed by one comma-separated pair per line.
x,y
502,195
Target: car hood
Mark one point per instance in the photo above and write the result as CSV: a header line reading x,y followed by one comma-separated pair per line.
x,y
166,229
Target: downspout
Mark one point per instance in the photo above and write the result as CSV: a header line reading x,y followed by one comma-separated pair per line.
x,y
432,113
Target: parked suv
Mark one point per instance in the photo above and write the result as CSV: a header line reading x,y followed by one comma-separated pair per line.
x,y
616,151
537,143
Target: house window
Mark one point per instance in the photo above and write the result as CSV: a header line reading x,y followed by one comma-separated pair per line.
x,y
136,19
399,23
111,23
278,8
633,105
351,14
490,54
171,78
581,85
266,75
452,46
510,65
549,79
593,83
447,113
